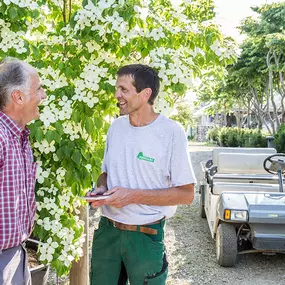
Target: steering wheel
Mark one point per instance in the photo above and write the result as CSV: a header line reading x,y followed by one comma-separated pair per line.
x,y
274,163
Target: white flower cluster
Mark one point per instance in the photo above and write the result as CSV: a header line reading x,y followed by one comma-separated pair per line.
x,y
71,129
45,147
71,249
91,16
60,174
90,78
103,55
85,96
10,39
173,72
75,131
23,3
156,34
47,250
52,190
162,106
52,113
224,51
41,174
51,78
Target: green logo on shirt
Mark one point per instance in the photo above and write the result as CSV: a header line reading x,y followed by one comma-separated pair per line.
x,y
142,157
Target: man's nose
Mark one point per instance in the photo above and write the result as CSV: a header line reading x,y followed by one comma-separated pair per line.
x,y
118,94
44,95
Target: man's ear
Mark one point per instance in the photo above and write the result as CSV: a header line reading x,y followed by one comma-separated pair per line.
x,y
146,93
18,97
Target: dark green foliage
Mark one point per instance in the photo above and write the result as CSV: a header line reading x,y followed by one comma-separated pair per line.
x,y
212,134
237,137
279,139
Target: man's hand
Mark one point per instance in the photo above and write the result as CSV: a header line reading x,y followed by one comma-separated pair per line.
x,y
97,191
120,197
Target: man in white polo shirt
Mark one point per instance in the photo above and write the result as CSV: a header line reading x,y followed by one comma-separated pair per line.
x,y
147,171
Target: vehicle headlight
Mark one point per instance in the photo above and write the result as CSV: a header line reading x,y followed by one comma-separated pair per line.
x,y
236,215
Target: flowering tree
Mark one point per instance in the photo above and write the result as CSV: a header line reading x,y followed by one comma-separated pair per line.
x,y
77,49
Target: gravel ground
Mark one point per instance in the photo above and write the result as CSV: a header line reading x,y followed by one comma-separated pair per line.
x,y
191,250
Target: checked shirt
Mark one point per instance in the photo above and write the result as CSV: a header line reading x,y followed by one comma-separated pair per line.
x,y
17,182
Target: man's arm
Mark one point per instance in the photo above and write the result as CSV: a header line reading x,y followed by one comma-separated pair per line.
x,y
157,197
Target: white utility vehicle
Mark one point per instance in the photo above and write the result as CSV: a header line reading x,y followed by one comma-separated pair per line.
x,y
243,199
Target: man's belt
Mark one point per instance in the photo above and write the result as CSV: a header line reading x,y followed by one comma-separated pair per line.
x,y
135,228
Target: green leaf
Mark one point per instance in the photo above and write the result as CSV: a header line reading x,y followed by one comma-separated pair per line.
x,y
76,156
39,135
69,178
35,52
59,128
89,126
98,123
76,116
75,189
57,137
67,150
144,52
50,136
12,12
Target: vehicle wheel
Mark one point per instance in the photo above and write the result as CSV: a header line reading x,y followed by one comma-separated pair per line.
x,y
202,202
226,245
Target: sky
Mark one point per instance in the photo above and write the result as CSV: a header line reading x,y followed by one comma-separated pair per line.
x,y
230,13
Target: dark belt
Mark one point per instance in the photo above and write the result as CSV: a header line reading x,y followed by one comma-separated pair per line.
x,y
3,250
136,228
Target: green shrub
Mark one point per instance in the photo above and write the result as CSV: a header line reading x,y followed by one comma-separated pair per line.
x,y
237,137
256,139
279,139
212,134
223,137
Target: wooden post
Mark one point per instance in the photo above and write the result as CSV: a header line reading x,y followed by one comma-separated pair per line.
x,y
79,273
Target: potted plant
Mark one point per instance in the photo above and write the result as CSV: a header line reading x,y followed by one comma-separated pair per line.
x,y
39,271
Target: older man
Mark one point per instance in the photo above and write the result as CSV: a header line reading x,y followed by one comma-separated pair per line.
x,y
20,95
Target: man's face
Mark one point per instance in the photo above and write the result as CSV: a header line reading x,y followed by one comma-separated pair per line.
x,y
33,98
129,100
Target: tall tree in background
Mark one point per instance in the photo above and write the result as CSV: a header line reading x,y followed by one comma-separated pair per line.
x,y
256,82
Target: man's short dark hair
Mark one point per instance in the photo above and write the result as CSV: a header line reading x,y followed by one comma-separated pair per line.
x,y
144,77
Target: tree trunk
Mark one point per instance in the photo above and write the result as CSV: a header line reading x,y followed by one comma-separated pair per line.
x,y
79,274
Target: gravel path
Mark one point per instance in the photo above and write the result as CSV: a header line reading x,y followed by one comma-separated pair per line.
x,y
191,250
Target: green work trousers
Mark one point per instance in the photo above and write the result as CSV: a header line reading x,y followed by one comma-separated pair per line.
x,y
141,256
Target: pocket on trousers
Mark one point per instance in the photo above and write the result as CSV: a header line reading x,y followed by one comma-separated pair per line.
x,y
98,232
158,278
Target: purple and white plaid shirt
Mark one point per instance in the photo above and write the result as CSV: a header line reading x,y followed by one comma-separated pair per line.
x,y
17,182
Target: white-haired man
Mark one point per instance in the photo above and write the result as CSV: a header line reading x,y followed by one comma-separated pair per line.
x,y
20,96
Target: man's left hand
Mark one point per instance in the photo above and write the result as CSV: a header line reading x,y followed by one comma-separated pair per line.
x,y
120,197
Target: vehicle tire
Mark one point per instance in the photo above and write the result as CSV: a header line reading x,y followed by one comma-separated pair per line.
x,y
202,203
226,245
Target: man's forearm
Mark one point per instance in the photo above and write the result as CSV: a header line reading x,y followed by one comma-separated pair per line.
x,y
157,197
165,197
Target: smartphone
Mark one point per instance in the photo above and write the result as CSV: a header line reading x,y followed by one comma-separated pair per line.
x,y
94,198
